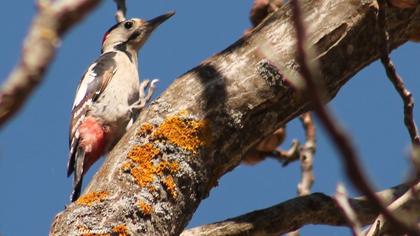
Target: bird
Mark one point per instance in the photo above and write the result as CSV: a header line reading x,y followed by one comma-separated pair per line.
x,y
109,96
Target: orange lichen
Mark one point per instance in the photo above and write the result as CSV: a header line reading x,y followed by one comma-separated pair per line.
x,y
167,166
143,176
187,134
121,230
142,167
140,154
170,186
145,208
144,170
145,128
90,198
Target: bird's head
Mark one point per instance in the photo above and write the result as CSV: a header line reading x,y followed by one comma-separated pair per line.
x,y
132,33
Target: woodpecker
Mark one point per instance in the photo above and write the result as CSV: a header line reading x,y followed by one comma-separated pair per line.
x,y
109,96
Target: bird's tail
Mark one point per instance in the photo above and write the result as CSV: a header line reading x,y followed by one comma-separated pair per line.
x,y
78,173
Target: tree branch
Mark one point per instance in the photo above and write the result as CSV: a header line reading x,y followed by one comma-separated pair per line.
x,y
157,175
343,203
315,208
400,208
307,155
121,10
395,79
53,20
337,134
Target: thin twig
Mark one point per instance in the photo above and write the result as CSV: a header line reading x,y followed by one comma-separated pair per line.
x,y
348,211
398,204
337,134
268,148
315,208
306,156
53,20
121,11
395,79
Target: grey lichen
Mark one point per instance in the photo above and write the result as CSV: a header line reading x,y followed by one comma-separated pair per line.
x,y
270,73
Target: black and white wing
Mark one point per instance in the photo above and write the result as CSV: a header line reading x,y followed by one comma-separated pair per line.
x,y
91,86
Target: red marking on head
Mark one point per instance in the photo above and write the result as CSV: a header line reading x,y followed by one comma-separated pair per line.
x,y
92,136
105,37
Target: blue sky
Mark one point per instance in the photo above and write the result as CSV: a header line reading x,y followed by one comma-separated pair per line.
x,y
34,146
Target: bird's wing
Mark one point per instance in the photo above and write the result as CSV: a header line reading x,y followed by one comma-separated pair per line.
x,y
91,86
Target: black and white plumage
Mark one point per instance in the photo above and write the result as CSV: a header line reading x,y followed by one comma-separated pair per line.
x,y
109,96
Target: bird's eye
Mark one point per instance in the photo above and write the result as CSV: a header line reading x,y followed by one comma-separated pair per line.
x,y
128,25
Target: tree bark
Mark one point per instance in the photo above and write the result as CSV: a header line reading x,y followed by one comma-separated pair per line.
x,y
315,208
201,126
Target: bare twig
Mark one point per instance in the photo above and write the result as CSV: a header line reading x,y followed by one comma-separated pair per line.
x,y
306,155
344,205
53,20
315,208
268,148
395,79
306,160
337,134
398,207
121,10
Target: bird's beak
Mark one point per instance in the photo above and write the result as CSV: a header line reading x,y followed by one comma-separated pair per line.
x,y
155,22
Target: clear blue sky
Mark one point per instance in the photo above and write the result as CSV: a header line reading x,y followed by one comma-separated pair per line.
x,y
34,146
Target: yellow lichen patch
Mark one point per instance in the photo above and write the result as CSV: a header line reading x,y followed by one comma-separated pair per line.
x,y
121,230
143,176
145,128
143,171
167,166
90,198
145,208
140,154
170,186
187,134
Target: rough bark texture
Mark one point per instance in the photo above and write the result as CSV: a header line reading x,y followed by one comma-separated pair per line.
x,y
201,126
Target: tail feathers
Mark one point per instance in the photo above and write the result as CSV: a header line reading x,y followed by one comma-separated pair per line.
x,y
78,162
72,156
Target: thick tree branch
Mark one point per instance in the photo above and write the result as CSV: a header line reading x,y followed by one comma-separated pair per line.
x,y
315,208
337,134
53,20
200,127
